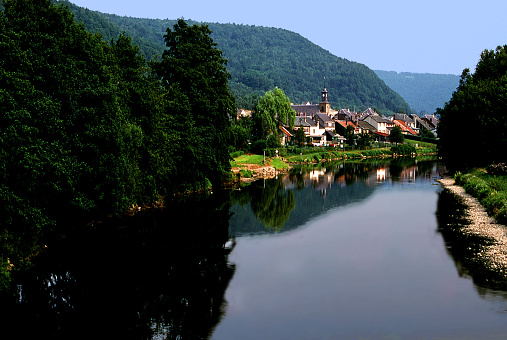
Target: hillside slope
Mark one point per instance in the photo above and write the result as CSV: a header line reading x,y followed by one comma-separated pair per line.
x,y
424,92
261,58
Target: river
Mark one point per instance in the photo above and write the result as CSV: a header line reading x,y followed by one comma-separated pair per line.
x,y
334,251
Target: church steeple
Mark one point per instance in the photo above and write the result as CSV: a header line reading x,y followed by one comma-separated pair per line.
x,y
324,105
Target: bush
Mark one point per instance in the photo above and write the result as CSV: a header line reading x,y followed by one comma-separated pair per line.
x,y
246,173
237,154
403,149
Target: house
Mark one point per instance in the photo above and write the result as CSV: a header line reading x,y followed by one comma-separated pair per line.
x,y
378,122
325,121
419,123
311,110
317,133
405,129
286,135
366,127
341,126
301,123
243,113
408,121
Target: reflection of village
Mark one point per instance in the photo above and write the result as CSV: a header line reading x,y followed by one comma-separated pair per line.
x,y
324,179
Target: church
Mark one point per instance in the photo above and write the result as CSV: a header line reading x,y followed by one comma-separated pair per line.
x,y
316,121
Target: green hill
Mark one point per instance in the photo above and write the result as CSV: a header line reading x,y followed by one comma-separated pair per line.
x,y
424,92
261,58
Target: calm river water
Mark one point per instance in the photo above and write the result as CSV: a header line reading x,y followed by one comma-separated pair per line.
x,y
338,251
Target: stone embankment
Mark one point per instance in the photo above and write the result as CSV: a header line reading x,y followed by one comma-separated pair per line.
x,y
257,172
493,255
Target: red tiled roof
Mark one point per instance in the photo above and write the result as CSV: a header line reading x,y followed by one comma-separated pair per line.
x,y
404,127
285,131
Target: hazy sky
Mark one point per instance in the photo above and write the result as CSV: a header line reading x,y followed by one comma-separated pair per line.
x,y
433,36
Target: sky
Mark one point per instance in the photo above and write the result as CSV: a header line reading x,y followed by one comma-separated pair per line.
x,y
430,36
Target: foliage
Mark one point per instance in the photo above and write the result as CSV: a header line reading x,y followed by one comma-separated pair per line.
x,y
425,133
490,190
350,135
248,159
404,149
300,137
424,92
87,129
396,136
261,58
473,123
272,111
200,105
241,132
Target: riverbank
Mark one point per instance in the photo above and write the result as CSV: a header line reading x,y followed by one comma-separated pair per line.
x,y
493,254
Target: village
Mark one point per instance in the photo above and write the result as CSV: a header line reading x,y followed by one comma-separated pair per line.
x,y
324,126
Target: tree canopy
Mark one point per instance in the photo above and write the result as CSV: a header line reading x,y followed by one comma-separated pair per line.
x,y
194,72
272,111
473,124
87,128
260,58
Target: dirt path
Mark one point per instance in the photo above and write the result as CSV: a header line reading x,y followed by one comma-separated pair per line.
x,y
494,255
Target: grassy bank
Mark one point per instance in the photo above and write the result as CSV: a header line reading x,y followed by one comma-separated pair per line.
x,y
489,189
244,160
310,155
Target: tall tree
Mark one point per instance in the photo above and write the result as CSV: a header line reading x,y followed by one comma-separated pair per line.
x,y
473,124
396,136
194,73
272,111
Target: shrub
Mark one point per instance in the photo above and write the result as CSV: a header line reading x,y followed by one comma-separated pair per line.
x,y
403,149
237,154
246,173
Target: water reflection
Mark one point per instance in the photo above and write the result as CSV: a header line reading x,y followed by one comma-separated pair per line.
x,y
157,275
463,249
290,201
164,275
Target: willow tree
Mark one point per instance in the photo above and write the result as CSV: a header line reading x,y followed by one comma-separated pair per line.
x,y
272,111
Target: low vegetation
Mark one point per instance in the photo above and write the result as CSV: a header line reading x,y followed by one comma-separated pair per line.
x,y
489,188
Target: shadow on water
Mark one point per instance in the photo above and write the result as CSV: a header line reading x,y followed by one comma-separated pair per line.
x,y
158,274
463,248
288,202
164,274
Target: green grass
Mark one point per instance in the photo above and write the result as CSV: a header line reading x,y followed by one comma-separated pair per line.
x,y
248,159
490,190
277,163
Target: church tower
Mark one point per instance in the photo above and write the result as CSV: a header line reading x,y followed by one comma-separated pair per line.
x,y
324,106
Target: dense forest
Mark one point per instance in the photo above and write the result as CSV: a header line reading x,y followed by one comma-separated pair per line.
x,y
260,58
424,92
87,129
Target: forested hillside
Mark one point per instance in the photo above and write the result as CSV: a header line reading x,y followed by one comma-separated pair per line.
x,y
260,58
424,92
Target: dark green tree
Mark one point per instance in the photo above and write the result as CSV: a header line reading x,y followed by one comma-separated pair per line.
x,y
300,137
396,136
350,135
241,130
473,124
200,106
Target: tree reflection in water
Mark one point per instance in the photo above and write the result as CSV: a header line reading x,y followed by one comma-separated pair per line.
x,y
463,249
155,275
270,202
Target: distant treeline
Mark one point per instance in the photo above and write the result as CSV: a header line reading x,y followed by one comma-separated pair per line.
x,y
424,92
